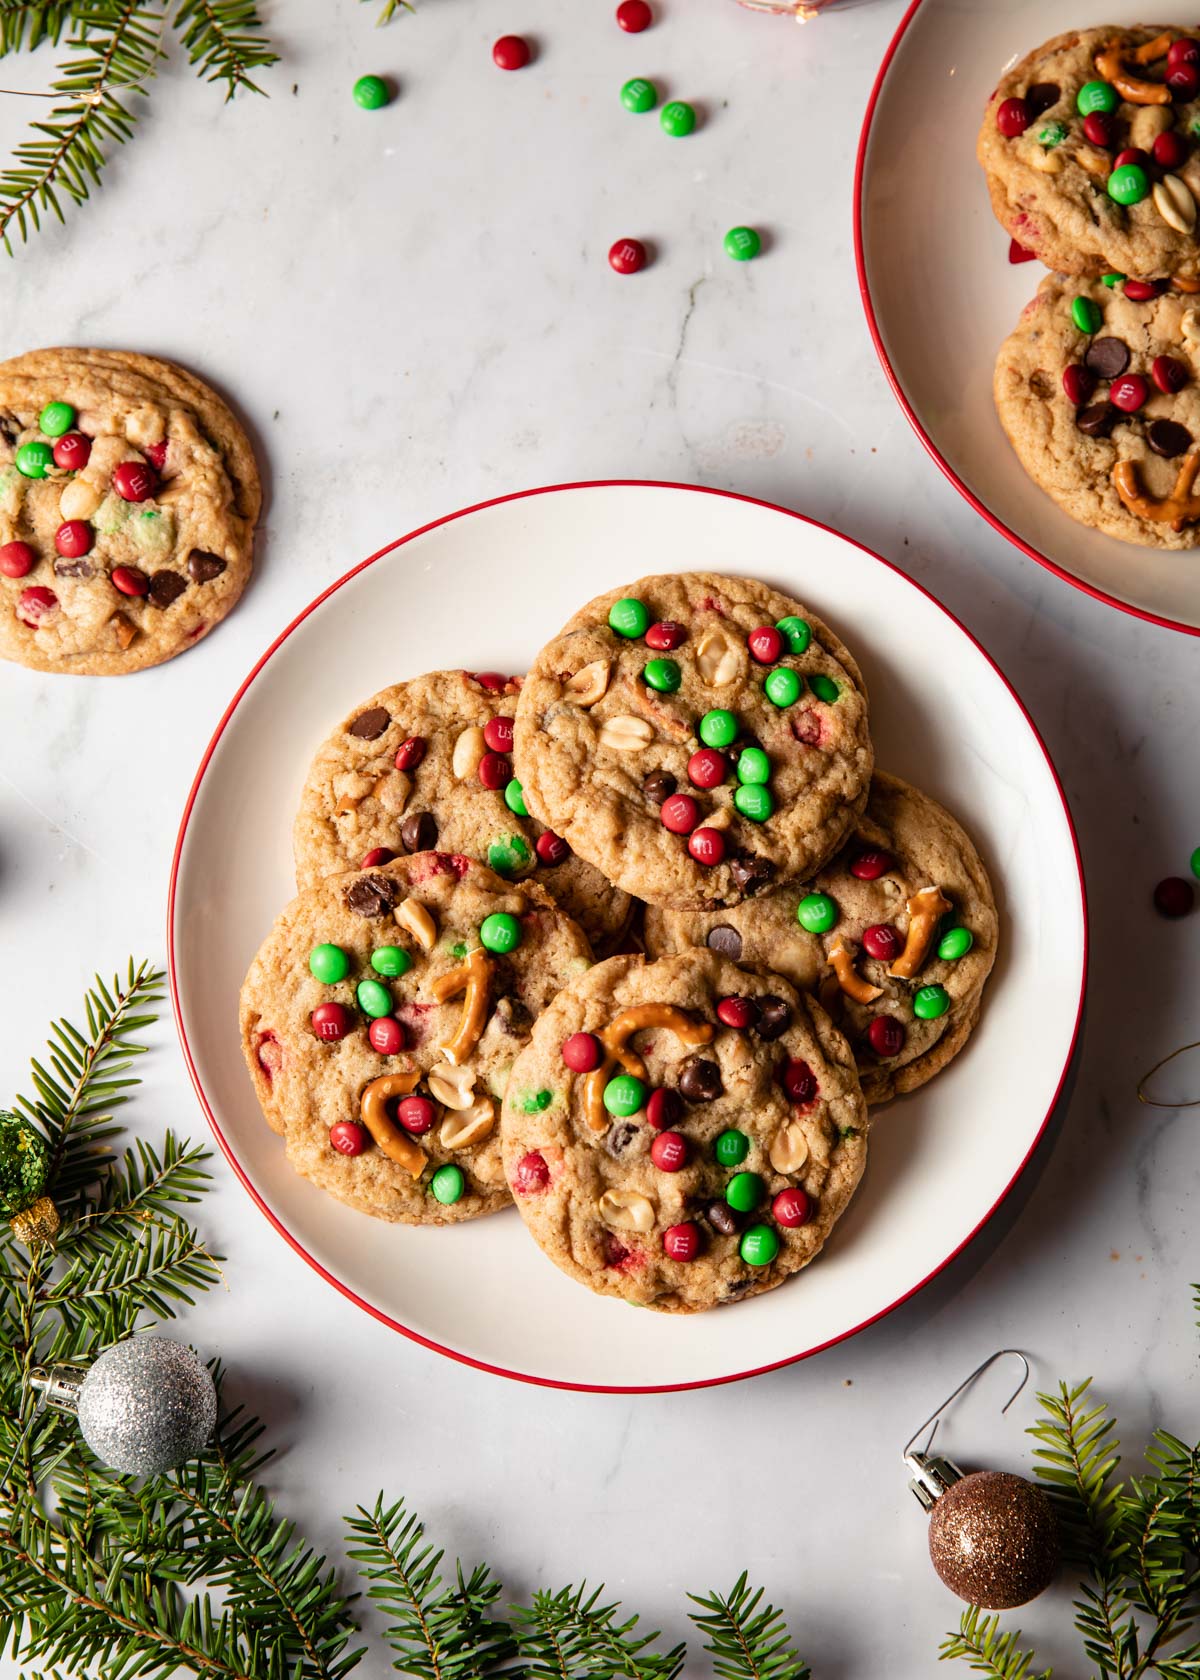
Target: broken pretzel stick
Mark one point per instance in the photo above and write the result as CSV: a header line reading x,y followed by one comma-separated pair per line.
x,y
849,979
473,979
615,1040
1112,62
925,911
1178,509
395,1144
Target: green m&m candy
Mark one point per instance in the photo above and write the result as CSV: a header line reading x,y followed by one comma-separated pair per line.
x,y
744,1192
1128,185
1053,134
753,766
718,728
639,95
1111,280
500,932
371,93
624,1095
328,964
754,801
796,631
56,418
629,617
783,686
1096,96
759,1245
731,1148
34,460
447,1185
817,913
955,943
930,1002
392,960
509,852
824,688
514,798
742,244
662,674
1085,313
1195,863
677,119
373,999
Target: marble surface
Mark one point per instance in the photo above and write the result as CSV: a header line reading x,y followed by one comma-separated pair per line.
x,y
413,311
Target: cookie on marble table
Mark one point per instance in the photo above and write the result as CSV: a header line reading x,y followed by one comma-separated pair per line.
x,y
380,1021
128,499
1089,147
1098,393
683,1134
427,763
897,937
696,737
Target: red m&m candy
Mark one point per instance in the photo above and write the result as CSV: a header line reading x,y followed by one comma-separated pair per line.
x,y
551,849
799,1081
348,1137
377,856
330,1021
1143,291
134,481
1099,128
882,942
72,451
737,1012
1184,81
498,733
1078,383
627,256
129,580
669,1151
1174,896
495,770
73,539
1170,150
765,644
1129,393
17,560
1183,51
707,847
680,813
1168,374
681,1242
665,635
664,1108
415,1114
531,1175
386,1035
791,1207
633,16
707,768
870,864
495,682
1132,154
886,1035
581,1052
34,604
410,753
156,454
511,52
1013,117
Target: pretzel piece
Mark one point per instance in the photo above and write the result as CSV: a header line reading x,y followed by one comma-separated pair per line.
x,y
925,910
395,1144
614,1039
1178,509
1111,63
849,979
473,979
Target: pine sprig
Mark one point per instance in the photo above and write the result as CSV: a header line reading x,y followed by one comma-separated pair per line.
x,y
27,23
569,1633
744,1641
980,1643
388,10
223,40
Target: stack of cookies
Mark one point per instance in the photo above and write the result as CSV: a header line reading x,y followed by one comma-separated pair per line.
x,y
1089,145
632,942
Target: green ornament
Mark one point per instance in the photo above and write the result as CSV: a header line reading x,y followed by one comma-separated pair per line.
x,y
371,92
817,913
1052,135
536,1102
624,1095
391,960
24,1164
34,460
56,418
500,933
930,1002
447,1185
1195,863
754,802
955,943
677,118
1096,96
1111,280
759,1245
514,798
663,675
508,852
797,632
744,1192
328,964
731,1148
718,728
1085,313
753,766
1128,185
629,617
783,686
374,999
824,688
742,244
639,95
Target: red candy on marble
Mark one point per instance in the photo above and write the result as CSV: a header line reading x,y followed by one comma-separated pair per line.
x,y
1169,375
882,942
799,1081
870,864
707,768
1079,383
498,733
737,1012
765,644
1099,128
886,1035
376,856
410,753
129,580
582,1052
633,16
17,560
386,1035
663,1108
1170,150
73,539
1013,117
627,256
35,604
134,481
330,1021
681,1242
495,770
791,1207
511,52
1174,897
669,1151
415,1114
666,635
680,813
531,1175
1129,393
707,847
72,451
348,1137
551,849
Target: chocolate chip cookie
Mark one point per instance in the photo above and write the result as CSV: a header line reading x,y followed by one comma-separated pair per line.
x,y
427,763
1097,390
1089,147
128,499
380,1022
682,1134
696,737
897,937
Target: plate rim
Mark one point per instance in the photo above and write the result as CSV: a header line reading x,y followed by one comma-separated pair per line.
x,y
226,1148
964,490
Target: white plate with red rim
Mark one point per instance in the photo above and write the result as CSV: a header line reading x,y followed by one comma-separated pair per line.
x,y
941,295
942,714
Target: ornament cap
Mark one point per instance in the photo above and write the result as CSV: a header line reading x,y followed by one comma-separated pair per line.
x,y
58,1387
932,1476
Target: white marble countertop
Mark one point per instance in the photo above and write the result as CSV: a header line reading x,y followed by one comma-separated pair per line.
x,y
414,311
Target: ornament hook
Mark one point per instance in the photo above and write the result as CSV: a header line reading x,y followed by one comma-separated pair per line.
x,y
935,1417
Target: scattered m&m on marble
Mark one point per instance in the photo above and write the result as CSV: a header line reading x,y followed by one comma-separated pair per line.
x,y
511,52
627,256
633,16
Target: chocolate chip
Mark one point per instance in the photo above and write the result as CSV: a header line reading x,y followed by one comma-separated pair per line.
x,y
203,567
721,1217
1041,96
10,430
166,587
774,1014
371,896
73,568
370,725
1107,358
659,785
1168,438
514,1018
1098,420
700,1080
750,874
725,939
620,1137
734,1291
418,833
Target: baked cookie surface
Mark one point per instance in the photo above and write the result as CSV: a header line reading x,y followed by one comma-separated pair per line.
x,y
132,548
663,1156
419,980
696,737
427,763
1099,396
909,871
1090,153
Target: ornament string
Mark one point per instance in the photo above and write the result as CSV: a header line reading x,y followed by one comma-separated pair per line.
x,y
935,1417
1157,1102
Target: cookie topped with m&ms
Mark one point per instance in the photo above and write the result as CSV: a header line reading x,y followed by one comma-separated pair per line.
x,y
380,1022
696,737
1089,147
128,499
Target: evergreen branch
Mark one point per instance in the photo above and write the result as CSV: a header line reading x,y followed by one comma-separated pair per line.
x,y
981,1645
747,1643
222,39
30,22
1077,1461
563,1635
389,9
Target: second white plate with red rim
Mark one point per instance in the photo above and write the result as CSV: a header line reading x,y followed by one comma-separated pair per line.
x,y
941,295
942,715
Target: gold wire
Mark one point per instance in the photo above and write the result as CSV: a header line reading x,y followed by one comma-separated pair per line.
x,y
1155,1102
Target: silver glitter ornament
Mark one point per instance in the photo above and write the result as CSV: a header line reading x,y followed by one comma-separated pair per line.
x,y
145,1405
